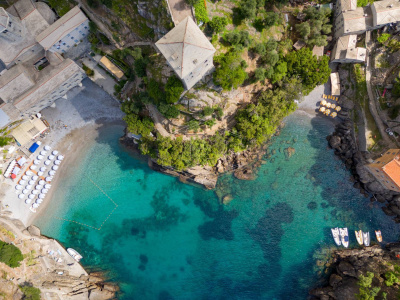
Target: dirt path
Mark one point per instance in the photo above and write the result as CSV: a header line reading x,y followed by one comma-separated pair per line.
x,y
158,119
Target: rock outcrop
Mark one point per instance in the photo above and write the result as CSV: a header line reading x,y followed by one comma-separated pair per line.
x,y
350,264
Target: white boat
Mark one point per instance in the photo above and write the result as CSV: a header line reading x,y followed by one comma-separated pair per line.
x,y
344,236
336,236
75,255
378,235
366,238
359,237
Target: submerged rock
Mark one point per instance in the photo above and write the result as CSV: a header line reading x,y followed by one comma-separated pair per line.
x,y
227,198
289,152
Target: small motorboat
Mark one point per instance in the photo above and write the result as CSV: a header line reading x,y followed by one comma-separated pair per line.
x,y
359,237
336,236
366,238
75,255
378,235
344,236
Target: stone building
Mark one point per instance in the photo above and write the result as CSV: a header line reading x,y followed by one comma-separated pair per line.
x,y
33,74
346,50
386,169
188,52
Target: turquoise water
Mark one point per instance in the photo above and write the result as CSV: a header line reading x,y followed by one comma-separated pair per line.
x,y
162,239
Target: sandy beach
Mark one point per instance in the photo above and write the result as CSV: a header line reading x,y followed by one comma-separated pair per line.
x,y
74,124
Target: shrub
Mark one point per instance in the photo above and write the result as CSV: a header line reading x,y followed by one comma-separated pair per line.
x,y
218,24
169,111
383,37
210,123
201,11
229,70
154,90
219,112
173,89
193,125
30,292
10,255
238,38
104,39
89,72
248,9
207,111
140,67
259,74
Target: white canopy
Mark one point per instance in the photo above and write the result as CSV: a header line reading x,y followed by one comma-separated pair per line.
x,y
22,181
18,187
55,168
60,157
39,200
55,152
25,191
57,162
35,192
28,187
35,177
38,187
40,173
48,148
35,205
51,157
52,173
27,201
31,196
21,196
36,162
44,191
33,167
41,196
41,182
24,177
31,182
43,152
42,169
40,157
47,162
49,178
29,173
47,186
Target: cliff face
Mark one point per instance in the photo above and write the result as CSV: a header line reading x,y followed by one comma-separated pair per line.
x,y
361,272
47,266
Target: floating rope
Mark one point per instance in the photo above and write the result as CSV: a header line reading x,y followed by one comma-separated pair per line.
x,y
90,226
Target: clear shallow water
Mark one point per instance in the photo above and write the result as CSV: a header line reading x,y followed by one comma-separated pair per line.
x,y
168,240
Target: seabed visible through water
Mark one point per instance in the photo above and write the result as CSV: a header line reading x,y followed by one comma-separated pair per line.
x,y
168,240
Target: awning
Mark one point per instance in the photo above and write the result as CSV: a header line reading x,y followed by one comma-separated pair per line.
x,y
34,147
28,130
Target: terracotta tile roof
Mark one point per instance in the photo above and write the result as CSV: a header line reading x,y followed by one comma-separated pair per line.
x,y
392,169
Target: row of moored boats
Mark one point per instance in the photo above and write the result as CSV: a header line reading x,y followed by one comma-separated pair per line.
x,y
341,236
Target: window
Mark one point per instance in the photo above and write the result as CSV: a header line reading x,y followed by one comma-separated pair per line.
x,y
72,37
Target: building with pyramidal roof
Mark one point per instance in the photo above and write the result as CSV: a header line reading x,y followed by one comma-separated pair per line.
x,y
188,52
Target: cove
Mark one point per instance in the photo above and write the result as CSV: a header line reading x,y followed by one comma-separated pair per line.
x,y
162,239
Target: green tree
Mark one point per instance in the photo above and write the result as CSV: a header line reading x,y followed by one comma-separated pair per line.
x,y
10,255
383,38
30,292
139,125
219,112
218,24
304,29
248,9
140,67
259,74
260,49
229,71
280,72
271,19
173,89
238,38
169,111
207,111
210,123
154,90
193,125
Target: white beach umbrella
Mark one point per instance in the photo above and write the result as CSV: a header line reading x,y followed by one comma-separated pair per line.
x,y
49,178
47,162
35,192
28,201
35,205
41,182
21,196
51,157
44,191
29,173
35,177
52,173
31,182
40,173
25,191
28,187
42,169
22,182
36,162
60,157
33,167
38,187
39,200
40,157
18,187
55,152
48,148
43,152
55,168
41,196
31,196
57,162
47,186
25,177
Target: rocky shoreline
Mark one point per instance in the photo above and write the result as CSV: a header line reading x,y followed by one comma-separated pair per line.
x,y
347,266
63,279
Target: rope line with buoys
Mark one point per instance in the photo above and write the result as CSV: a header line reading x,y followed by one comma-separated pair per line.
x,y
90,226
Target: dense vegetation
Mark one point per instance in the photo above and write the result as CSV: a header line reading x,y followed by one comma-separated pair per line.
x,y
30,292
10,255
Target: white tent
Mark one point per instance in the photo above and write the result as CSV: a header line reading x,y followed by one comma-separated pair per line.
x,y
40,173
33,167
22,181
55,168
48,148
21,196
47,162
35,177
55,152
41,182
52,173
